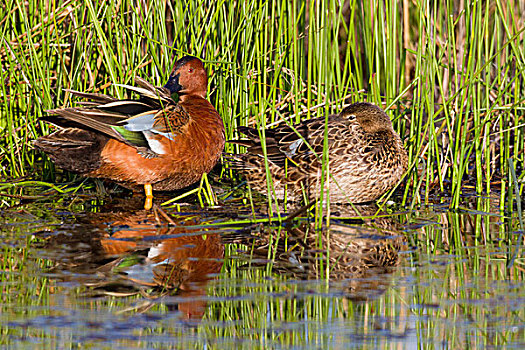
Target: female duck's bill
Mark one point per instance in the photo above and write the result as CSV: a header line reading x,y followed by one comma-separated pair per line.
x,y
366,156
153,142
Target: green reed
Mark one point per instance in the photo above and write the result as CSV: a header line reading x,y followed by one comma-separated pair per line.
x,y
450,77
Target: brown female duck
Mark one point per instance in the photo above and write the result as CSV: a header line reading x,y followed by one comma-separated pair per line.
x,y
152,142
366,156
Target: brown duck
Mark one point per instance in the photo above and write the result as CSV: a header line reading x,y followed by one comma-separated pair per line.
x,y
366,156
153,142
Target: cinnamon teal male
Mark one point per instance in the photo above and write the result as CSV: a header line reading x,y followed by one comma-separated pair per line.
x,y
366,156
153,142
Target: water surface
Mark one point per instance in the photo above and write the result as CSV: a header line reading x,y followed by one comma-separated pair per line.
x,y
116,276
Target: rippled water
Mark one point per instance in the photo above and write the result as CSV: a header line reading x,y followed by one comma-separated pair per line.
x,y
108,276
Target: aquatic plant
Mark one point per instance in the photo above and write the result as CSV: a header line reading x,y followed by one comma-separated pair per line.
x,y
450,78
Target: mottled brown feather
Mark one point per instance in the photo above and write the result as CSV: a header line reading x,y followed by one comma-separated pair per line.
x,y
366,156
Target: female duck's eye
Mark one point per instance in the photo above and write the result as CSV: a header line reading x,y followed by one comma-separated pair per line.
x,y
351,116
190,70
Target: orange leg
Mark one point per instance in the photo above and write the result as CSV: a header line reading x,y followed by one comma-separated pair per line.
x,y
149,196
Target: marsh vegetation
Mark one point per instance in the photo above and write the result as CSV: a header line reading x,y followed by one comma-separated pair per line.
x,y
450,76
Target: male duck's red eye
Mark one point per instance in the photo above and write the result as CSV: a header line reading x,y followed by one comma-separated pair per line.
x,y
190,70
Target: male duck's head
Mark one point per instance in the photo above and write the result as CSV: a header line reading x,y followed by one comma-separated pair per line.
x,y
188,77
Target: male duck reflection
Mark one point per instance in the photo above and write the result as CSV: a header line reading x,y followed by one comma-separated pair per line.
x,y
152,142
366,156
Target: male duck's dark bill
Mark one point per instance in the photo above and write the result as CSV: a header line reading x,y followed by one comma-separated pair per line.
x,y
173,84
